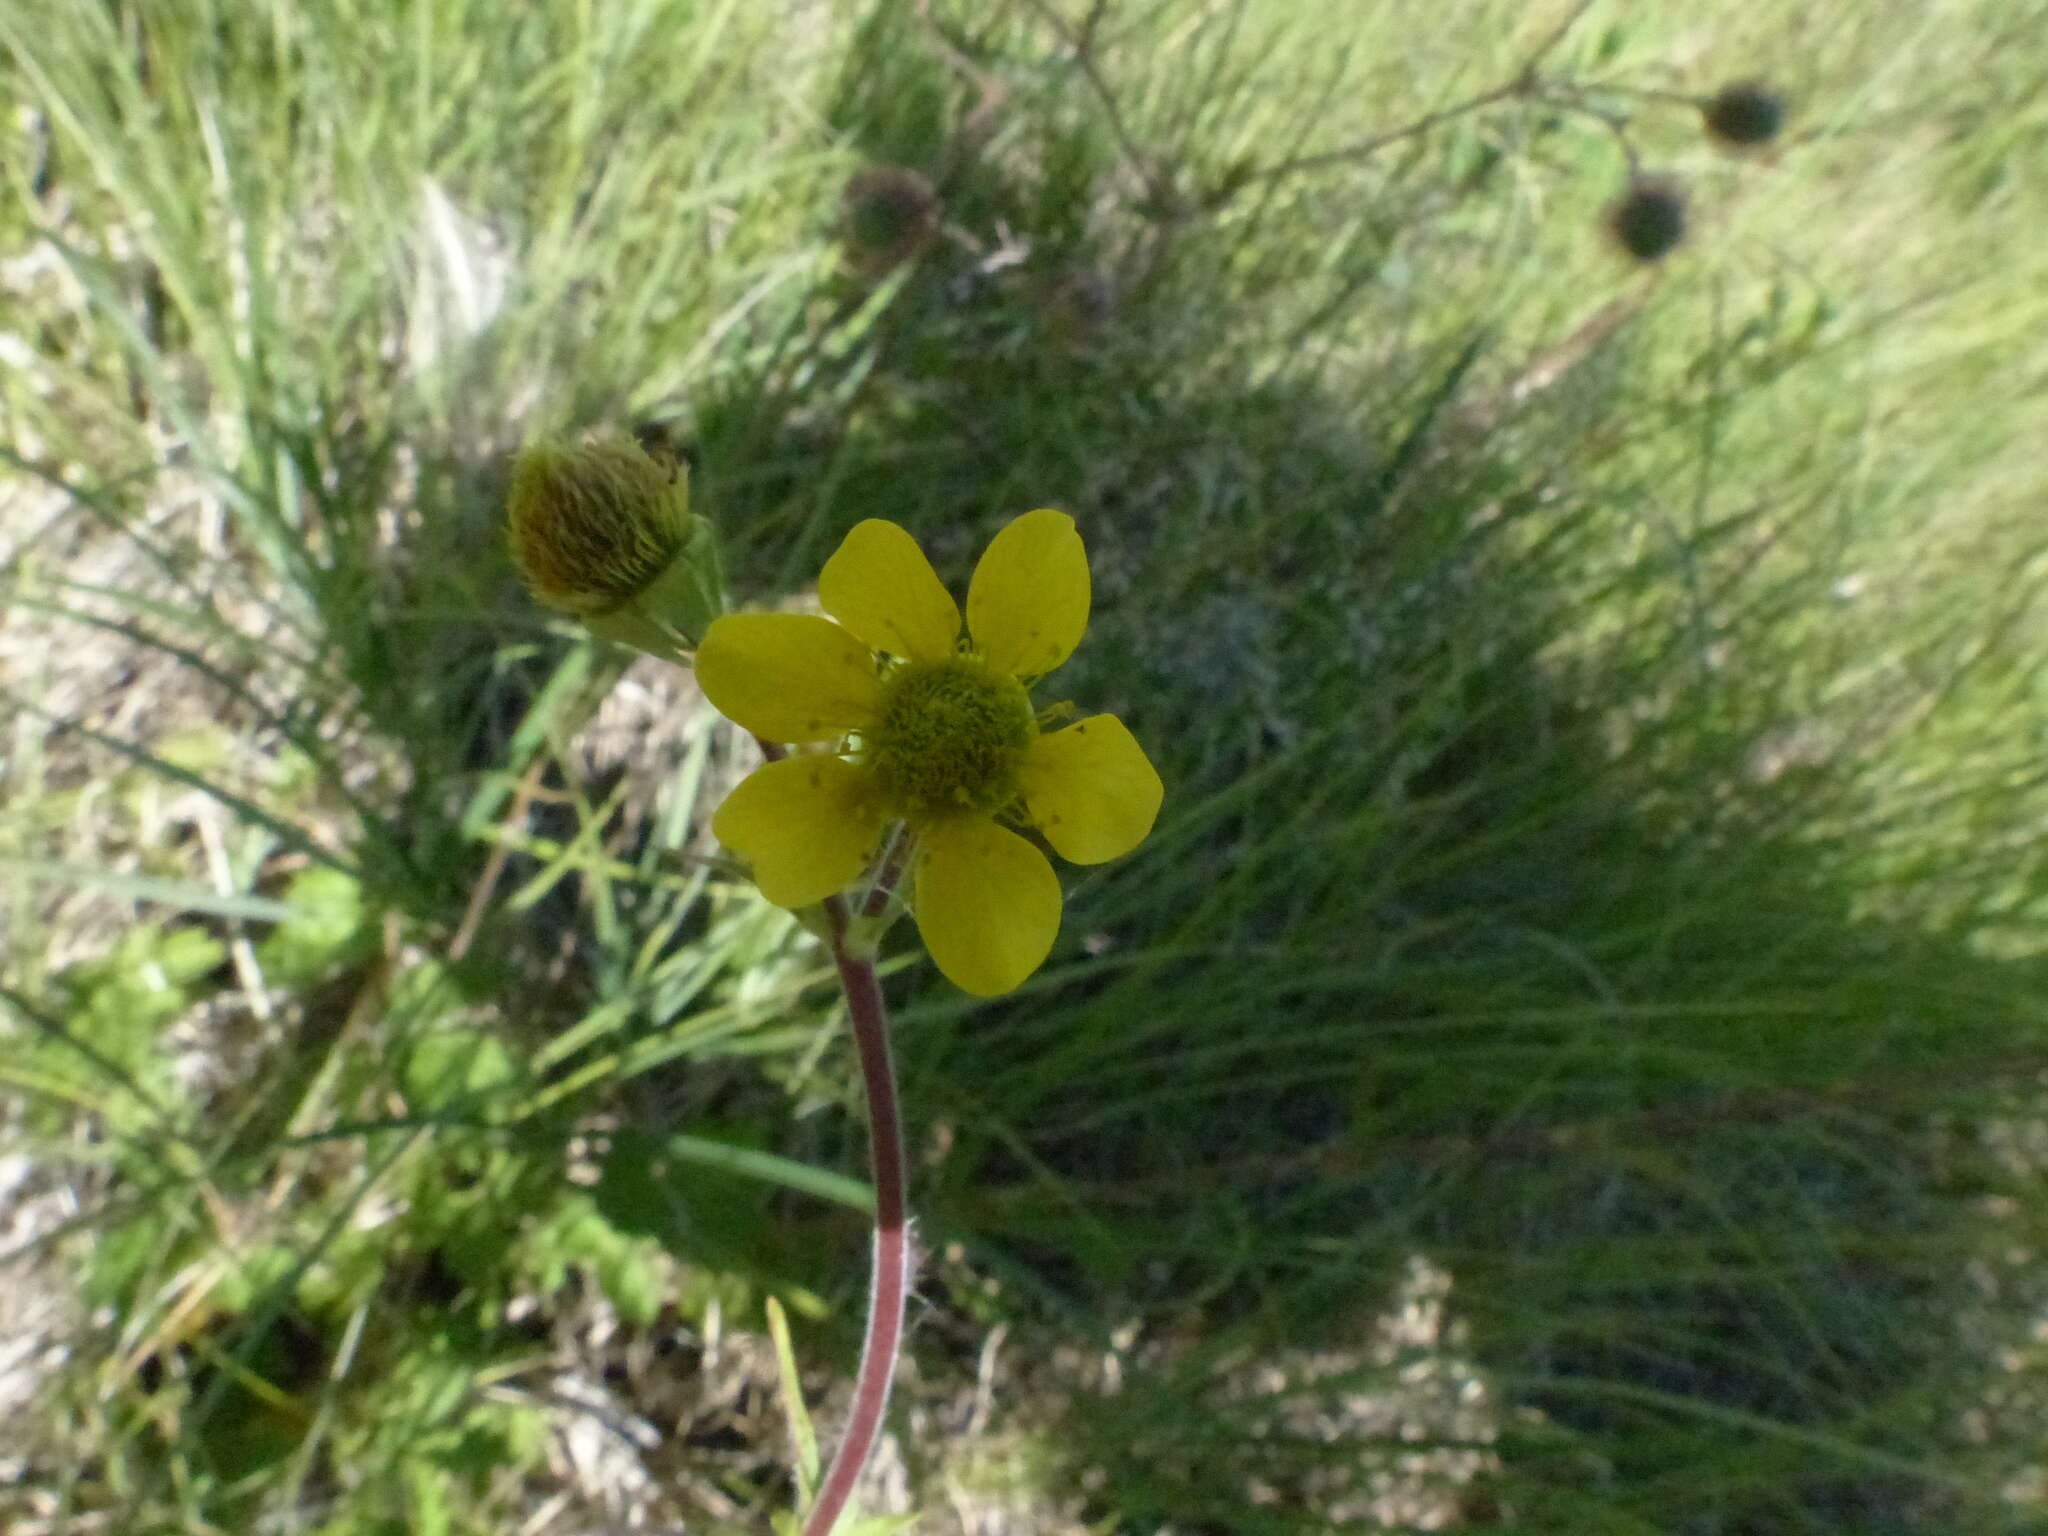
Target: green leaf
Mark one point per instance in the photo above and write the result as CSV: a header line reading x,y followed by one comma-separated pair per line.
x,y
149,979
426,1492
325,928
631,1270
459,1070
176,894
801,1432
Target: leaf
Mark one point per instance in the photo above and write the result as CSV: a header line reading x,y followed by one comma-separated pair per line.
x,y
632,1271
461,1070
324,928
176,894
801,1432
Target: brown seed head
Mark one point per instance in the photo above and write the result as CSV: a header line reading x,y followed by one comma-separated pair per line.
x,y
888,214
1744,115
1648,221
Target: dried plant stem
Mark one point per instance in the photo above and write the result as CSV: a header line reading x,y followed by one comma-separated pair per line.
x,y
890,1286
1523,86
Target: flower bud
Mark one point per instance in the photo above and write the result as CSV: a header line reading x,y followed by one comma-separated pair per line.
x,y
1743,116
604,533
1649,220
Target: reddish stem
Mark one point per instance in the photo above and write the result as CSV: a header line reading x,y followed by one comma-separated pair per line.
x,y
890,1286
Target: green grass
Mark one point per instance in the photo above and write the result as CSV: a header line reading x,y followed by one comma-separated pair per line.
x,y
1598,707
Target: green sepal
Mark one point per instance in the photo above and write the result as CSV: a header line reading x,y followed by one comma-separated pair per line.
x,y
668,617
864,934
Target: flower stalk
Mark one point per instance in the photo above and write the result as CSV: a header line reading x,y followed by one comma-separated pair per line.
x,y
888,1167
889,1287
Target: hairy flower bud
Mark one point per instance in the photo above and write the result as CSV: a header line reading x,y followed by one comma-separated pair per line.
x,y
603,532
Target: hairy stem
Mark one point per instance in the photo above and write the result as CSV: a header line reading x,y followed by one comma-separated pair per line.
x,y
890,1285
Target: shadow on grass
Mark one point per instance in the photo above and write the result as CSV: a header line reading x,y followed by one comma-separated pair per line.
x,y
1465,940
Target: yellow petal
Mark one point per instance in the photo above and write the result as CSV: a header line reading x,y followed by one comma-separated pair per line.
x,y
787,676
1027,606
1091,790
880,586
807,825
987,903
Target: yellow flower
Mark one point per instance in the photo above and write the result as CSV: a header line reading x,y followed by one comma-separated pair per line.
x,y
916,722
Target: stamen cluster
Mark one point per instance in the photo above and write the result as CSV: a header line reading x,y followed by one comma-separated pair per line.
x,y
949,736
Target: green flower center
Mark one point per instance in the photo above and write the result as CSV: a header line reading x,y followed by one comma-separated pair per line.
x,y
949,736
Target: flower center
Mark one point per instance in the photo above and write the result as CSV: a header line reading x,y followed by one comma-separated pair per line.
x,y
949,736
